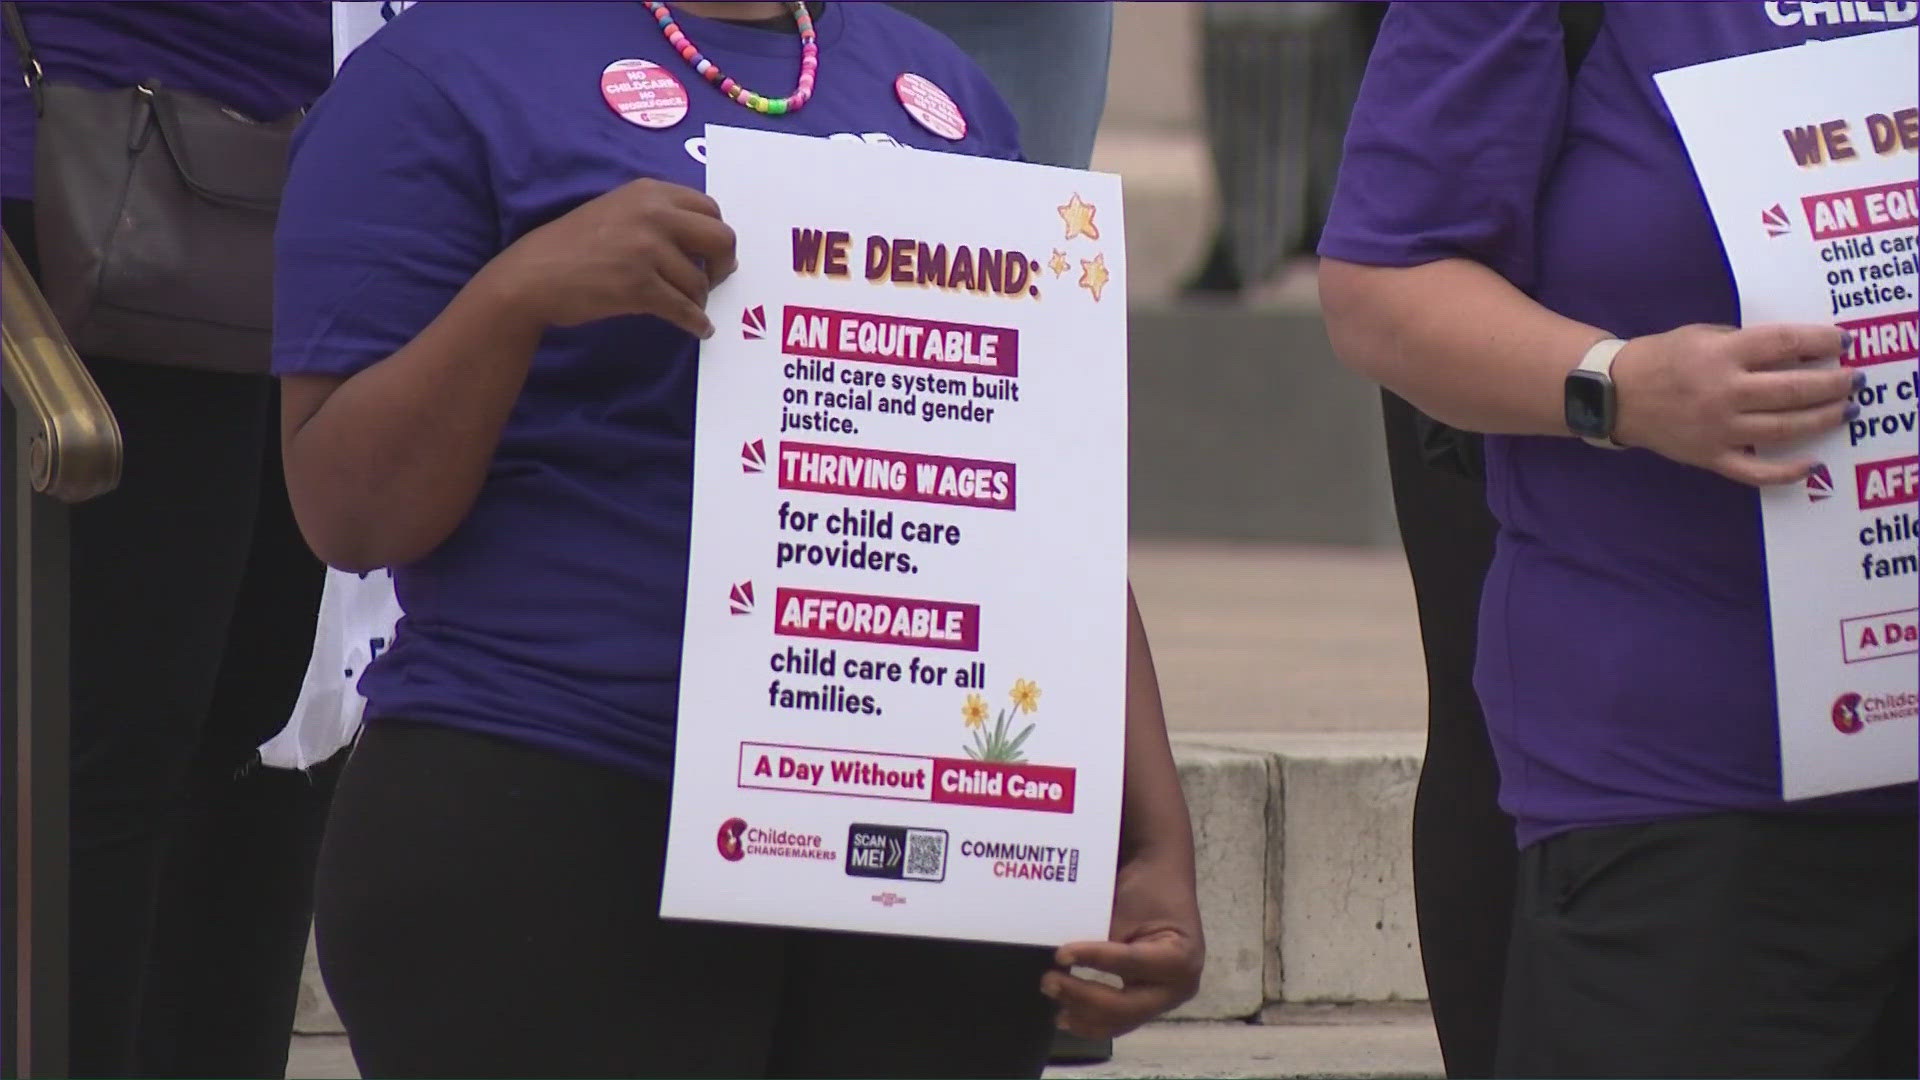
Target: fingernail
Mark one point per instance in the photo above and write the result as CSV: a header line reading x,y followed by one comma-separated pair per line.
x,y
1853,409
1846,341
1050,990
1859,380
707,333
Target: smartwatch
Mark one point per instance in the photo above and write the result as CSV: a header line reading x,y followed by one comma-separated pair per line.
x,y
1589,401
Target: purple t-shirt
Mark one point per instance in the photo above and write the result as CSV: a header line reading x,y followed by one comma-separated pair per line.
x,y
263,59
553,614
1625,660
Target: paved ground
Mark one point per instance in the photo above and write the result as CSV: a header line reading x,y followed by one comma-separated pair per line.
x,y
1276,638
1364,1042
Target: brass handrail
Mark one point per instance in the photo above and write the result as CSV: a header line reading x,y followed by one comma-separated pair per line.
x,y
73,442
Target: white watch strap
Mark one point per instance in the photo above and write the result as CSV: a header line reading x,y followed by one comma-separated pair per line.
x,y
1600,358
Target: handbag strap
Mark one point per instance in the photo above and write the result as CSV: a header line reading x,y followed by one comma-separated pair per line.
x,y
30,68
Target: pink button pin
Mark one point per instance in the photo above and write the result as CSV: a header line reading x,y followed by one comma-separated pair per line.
x,y
643,93
930,106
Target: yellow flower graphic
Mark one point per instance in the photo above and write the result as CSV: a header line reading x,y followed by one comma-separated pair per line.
x,y
998,741
1025,695
974,712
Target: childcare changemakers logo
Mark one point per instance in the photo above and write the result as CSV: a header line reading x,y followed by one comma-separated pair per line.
x,y
1853,712
737,840
1026,862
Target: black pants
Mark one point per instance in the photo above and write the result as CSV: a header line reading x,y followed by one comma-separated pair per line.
x,y
193,606
1463,845
1736,945
489,909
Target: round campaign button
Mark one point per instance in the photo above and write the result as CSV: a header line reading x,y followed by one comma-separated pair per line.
x,y
643,93
930,106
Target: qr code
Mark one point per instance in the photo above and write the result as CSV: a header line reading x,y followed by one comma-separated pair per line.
x,y
926,855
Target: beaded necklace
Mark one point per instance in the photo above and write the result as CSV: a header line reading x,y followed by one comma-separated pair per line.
x,y
809,62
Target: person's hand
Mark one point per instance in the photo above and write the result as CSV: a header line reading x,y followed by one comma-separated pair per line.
x,y
1156,951
645,248
1710,396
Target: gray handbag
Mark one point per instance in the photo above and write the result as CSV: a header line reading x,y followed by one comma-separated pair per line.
x,y
153,213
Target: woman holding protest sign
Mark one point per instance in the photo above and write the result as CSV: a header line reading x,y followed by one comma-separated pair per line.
x,y
1674,915
487,334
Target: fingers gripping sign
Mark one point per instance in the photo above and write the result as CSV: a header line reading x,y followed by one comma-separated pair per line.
x,y
1156,953
1729,400
1156,972
645,248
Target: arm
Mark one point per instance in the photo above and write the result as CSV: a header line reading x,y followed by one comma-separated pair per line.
x,y
1463,344
1457,123
1153,810
1457,340
401,335
1431,245
1156,945
405,323
382,466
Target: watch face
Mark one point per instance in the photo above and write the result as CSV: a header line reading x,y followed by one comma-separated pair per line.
x,y
1589,404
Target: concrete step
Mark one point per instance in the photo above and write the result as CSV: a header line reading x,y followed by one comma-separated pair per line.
x,y
1305,879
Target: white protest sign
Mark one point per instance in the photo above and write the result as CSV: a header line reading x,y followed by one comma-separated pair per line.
x,y
902,690
1807,156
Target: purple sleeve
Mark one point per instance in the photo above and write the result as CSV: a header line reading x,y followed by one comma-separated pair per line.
x,y
387,214
1458,121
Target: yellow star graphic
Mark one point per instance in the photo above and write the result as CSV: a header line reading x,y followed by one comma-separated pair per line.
x,y
1059,264
1078,216
1093,275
